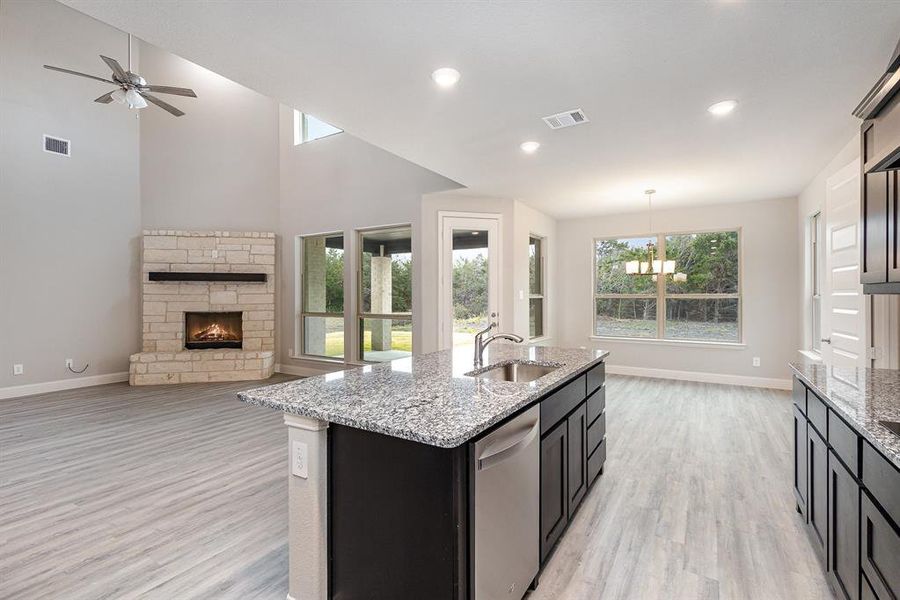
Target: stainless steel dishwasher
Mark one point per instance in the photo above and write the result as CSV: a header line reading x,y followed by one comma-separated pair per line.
x,y
507,508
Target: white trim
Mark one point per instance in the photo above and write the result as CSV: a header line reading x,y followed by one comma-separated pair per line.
x,y
742,380
811,355
15,391
304,371
670,342
305,423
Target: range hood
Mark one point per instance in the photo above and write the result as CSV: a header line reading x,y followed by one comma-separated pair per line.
x,y
882,106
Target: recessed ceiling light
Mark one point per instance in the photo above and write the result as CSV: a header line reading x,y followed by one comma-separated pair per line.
x,y
446,77
529,147
722,108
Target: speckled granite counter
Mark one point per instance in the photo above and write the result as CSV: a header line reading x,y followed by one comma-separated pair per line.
x,y
425,398
863,397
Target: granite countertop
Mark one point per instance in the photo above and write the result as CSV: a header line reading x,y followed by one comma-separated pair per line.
x,y
426,398
863,397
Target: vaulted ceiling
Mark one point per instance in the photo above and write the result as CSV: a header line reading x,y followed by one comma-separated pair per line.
x,y
644,73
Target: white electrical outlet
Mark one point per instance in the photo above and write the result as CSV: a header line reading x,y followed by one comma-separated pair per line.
x,y
299,460
70,362
755,361
18,369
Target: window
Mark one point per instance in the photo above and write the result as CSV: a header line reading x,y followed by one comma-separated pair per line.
x,y
308,128
696,297
322,295
535,287
385,286
815,284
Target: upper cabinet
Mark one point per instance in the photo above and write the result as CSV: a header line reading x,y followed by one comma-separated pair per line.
x,y
880,161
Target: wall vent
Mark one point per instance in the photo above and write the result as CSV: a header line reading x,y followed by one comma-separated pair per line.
x,y
566,119
55,145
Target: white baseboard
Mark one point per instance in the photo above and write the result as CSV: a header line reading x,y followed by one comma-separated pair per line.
x,y
760,382
16,391
300,371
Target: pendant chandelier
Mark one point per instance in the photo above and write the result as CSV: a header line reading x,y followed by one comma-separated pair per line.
x,y
651,266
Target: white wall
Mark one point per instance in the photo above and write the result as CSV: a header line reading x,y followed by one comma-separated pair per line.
x,y
770,286
341,183
529,221
68,226
216,167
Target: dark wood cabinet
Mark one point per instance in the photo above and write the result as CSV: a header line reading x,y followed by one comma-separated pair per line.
x,y
880,547
800,492
554,486
893,218
843,528
817,489
577,457
874,228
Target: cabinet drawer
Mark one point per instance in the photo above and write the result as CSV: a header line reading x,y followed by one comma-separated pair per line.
x,y
817,413
880,560
595,377
561,402
799,394
595,462
596,432
596,403
883,481
867,593
844,441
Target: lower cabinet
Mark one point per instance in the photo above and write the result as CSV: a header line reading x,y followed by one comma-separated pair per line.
x,y
843,528
880,546
800,492
817,489
577,457
554,486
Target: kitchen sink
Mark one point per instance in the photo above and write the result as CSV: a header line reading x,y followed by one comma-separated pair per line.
x,y
895,427
520,372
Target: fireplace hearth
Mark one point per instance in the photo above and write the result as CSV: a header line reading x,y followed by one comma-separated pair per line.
x,y
205,330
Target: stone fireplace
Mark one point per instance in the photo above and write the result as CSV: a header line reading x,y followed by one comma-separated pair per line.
x,y
208,307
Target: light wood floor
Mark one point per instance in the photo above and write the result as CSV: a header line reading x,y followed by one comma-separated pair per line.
x,y
180,492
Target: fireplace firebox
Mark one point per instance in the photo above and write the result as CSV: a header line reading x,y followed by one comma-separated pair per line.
x,y
212,330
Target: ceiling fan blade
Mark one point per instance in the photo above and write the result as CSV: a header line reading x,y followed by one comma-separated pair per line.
x,y
165,89
163,105
105,98
70,72
117,69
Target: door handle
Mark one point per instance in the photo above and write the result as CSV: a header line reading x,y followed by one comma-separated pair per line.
x,y
491,456
826,340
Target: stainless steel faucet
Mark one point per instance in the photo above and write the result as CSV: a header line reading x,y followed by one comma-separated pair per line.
x,y
481,343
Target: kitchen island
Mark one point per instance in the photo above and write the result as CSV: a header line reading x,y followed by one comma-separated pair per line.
x,y
420,478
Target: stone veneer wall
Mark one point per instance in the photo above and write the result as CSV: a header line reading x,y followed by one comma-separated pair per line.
x,y
163,358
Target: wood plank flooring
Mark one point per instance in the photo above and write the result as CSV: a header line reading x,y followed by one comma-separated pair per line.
x,y
179,492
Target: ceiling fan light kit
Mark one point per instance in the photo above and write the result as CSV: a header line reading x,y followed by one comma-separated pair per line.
x,y
133,89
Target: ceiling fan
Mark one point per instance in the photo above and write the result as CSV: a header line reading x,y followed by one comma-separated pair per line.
x,y
133,89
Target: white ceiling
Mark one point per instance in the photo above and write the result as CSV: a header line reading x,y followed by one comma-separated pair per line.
x,y
643,72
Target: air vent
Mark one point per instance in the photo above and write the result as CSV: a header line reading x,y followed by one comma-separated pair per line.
x,y
566,119
55,145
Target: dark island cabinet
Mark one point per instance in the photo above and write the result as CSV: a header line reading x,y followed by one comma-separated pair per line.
x,y
817,488
843,528
573,450
852,502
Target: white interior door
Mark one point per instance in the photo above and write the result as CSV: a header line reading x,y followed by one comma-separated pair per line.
x,y
843,303
469,272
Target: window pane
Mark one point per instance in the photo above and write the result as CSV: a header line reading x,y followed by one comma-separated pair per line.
x,y
715,320
535,317
817,323
610,257
316,129
470,284
323,273
535,266
705,263
385,339
386,263
323,336
625,317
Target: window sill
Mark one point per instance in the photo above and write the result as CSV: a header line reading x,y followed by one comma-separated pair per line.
x,y
677,343
319,359
811,355
539,340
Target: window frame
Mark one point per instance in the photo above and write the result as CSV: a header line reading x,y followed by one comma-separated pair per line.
x,y
542,296
361,315
300,304
815,265
300,128
661,295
